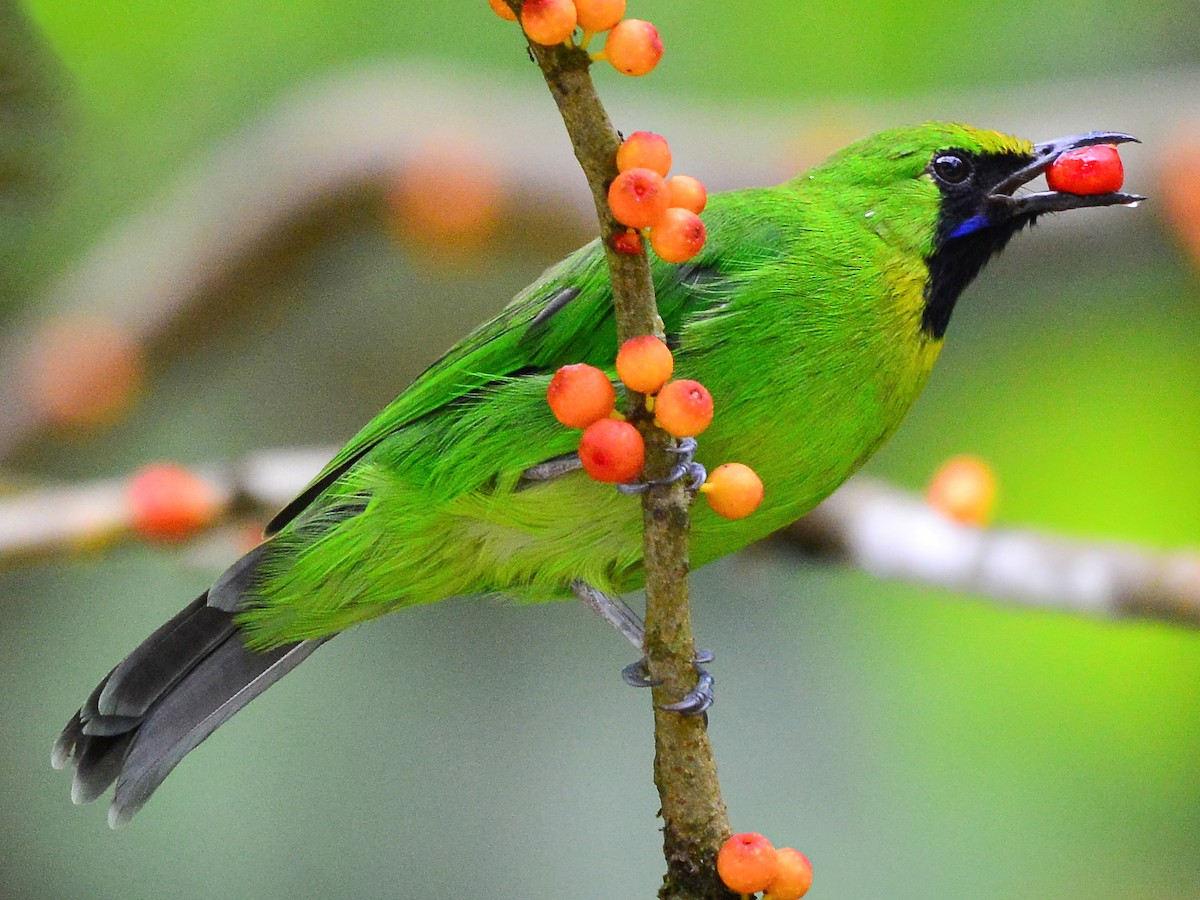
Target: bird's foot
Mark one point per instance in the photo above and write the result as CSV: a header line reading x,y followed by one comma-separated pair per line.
x,y
626,621
695,701
687,468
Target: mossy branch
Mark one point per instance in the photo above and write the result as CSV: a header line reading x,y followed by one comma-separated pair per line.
x,y
694,818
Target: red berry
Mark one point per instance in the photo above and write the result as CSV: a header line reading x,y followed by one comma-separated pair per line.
x,y
167,502
644,363
548,22
638,198
580,394
502,9
599,15
964,489
793,877
633,47
629,242
611,450
683,408
645,150
678,235
1087,170
746,863
733,490
687,193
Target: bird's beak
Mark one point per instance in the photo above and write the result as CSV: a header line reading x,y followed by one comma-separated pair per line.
x,y
1044,155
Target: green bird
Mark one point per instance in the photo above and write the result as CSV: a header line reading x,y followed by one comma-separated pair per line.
x,y
814,315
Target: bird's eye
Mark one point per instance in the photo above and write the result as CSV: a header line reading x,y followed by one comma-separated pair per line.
x,y
951,168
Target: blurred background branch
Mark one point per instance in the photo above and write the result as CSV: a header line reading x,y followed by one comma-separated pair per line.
x,y
891,533
886,531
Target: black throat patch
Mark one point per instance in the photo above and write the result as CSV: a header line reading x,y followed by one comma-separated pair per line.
x,y
954,265
968,235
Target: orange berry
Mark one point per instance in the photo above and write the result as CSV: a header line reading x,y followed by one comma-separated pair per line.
x,y
599,15
548,22
168,502
683,408
580,394
633,47
645,150
746,863
733,490
629,242
502,9
678,235
793,877
964,489
687,193
644,363
611,450
638,198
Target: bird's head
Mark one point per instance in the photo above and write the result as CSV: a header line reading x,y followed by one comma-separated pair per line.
x,y
949,193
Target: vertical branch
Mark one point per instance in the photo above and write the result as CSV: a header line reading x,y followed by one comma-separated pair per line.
x,y
685,772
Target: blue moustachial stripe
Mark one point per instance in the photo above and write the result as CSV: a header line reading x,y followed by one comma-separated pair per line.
x,y
972,224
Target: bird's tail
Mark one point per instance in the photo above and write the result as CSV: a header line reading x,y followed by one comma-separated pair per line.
x,y
167,696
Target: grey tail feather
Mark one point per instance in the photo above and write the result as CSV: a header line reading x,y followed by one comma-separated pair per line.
x,y
167,696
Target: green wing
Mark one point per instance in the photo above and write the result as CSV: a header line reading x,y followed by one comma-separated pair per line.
x,y
566,316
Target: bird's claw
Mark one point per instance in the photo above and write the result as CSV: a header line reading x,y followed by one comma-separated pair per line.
x,y
687,468
685,449
695,701
637,674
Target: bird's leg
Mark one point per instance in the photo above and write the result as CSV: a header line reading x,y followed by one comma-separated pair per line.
x,y
612,610
616,613
686,467
550,469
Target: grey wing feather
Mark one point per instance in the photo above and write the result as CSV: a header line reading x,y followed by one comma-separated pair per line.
x,y
229,678
168,695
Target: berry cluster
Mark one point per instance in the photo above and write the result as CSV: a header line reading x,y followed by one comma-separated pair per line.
x,y
641,196
633,45
612,450
963,489
748,863
1087,170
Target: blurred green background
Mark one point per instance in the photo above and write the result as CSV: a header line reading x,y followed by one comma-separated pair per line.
x,y
912,744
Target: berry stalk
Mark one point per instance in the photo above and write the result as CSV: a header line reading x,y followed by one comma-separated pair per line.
x,y
695,822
